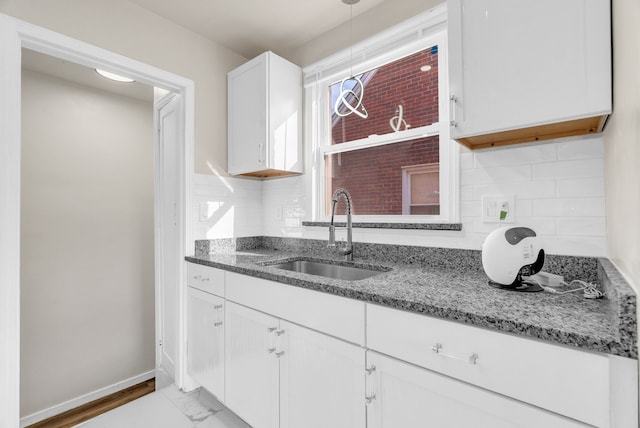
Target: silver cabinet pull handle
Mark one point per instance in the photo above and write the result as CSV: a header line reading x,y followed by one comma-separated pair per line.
x,y
205,278
279,343
197,277
217,324
370,396
271,349
217,307
453,99
471,359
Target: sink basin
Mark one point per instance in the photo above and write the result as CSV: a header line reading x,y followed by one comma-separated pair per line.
x,y
328,270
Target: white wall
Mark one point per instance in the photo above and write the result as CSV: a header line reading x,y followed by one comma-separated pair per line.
x,y
622,144
87,281
558,186
127,29
366,24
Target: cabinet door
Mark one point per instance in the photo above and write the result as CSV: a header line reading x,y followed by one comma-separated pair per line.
x,y
247,116
521,63
403,395
284,148
205,340
321,380
251,365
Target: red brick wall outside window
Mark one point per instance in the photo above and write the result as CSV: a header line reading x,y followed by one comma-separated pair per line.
x,y
373,176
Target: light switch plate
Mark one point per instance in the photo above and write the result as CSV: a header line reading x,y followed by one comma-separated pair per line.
x,y
204,211
498,208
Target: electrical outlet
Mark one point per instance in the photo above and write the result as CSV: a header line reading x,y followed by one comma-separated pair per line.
x,y
498,209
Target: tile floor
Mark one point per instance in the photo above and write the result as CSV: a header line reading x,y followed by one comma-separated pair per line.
x,y
169,408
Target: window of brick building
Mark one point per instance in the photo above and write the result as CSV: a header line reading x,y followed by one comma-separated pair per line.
x,y
397,160
421,190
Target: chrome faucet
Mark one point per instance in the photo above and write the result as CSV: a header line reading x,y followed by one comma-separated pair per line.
x,y
346,251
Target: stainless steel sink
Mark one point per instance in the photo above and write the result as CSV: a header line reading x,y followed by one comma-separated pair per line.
x,y
329,270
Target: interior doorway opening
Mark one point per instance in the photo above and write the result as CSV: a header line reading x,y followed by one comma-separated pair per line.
x,y
87,297
14,36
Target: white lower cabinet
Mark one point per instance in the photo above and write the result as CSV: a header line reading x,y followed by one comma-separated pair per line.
x,y
403,395
286,357
252,388
282,375
321,380
205,340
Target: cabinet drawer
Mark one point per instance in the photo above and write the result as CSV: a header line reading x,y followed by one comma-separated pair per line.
x,y
334,315
570,382
404,394
206,278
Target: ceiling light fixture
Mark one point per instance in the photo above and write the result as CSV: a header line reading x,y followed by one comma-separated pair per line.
x,y
113,76
349,96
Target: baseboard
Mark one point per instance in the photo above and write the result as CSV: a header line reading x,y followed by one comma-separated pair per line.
x,y
84,399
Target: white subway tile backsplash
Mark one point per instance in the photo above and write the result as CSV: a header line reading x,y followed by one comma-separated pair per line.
x,y
524,208
466,160
476,225
588,148
569,169
510,156
541,225
466,193
234,207
581,188
582,226
558,187
575,245
530,190
470,208
496,175
576,207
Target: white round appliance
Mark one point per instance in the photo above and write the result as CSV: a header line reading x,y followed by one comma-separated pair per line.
x,y
508,253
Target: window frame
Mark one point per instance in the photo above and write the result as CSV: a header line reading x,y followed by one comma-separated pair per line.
x,y
417,34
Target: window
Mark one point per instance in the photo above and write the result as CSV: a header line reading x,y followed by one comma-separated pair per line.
x,y
385,138
421,190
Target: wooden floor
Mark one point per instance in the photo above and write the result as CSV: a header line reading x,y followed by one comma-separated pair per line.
x,y
90,410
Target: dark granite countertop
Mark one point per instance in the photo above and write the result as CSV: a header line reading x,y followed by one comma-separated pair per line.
x,y
448,284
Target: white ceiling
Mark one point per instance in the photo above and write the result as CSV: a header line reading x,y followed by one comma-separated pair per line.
x,y
82,75
249,27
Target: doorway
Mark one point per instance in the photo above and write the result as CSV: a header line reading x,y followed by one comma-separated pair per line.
x,y
15,35
87,226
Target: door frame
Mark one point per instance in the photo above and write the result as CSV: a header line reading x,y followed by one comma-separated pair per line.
x,y
15,35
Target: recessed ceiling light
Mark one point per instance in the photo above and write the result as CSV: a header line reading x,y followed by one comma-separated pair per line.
x,y
425,68
113,76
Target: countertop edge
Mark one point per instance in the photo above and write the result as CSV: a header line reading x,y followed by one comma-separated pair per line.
x,y
573,340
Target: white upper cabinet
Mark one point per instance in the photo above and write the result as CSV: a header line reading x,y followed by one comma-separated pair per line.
x,y
265,118
528,70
